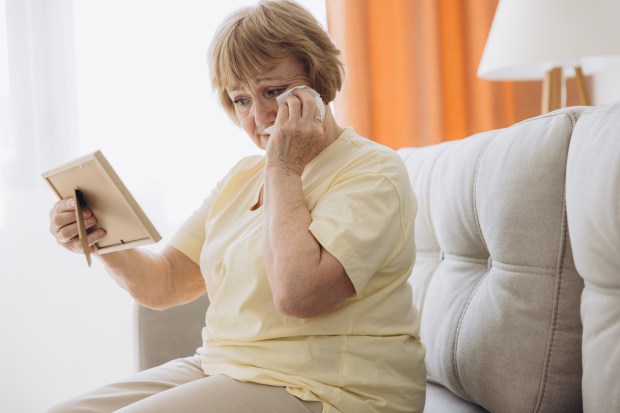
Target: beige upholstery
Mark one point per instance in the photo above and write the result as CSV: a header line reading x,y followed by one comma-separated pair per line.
x,y
500,296
165,335
593,201
494,277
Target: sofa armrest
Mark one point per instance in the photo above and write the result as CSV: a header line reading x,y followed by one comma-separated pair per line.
x,y
164,335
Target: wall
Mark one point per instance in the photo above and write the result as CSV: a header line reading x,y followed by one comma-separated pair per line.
x,y
143,99
605,87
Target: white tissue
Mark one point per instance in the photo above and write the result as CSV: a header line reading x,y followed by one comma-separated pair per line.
x,y
317,98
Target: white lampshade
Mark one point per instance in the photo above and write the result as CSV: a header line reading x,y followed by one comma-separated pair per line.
x,y
528,37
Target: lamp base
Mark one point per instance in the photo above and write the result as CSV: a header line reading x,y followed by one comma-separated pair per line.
x,y
582,90
554,89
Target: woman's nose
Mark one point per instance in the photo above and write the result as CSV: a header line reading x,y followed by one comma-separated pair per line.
x,y
265,111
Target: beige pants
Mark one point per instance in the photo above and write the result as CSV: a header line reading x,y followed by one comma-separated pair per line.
x,y
181,386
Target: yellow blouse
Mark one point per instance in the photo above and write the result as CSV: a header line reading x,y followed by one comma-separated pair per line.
x,y
364,355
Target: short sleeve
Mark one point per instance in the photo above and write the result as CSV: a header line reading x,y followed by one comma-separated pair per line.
x,y
190,237
360,222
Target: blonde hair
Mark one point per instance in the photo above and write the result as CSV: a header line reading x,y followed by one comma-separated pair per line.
x,y
255,38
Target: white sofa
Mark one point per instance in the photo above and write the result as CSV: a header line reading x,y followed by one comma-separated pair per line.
x,y
512,224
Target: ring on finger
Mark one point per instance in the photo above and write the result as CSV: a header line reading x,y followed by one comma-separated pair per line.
x,y
320,118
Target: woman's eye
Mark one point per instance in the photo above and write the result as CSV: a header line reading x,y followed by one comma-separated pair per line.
x,y
241,102
242,105
274,92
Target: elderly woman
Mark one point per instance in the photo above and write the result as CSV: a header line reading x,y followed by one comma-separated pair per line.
x,y
304,251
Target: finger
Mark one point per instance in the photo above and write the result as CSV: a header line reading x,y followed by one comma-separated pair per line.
x,y
66,233
60,214
308,104
294,105
283,114
96,236
69,232
87,212
59,220
74,245
64,205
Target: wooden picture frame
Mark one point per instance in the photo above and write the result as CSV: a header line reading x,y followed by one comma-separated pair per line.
x,y
126,225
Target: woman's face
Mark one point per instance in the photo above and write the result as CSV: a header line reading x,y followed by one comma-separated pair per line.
x,y
255,99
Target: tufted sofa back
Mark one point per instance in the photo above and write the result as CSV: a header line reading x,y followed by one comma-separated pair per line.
x,y
593,206
494,277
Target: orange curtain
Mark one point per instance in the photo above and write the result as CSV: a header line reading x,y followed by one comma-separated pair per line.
x,y
411,71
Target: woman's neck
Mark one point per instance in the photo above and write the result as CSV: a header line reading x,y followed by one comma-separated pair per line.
x,y
332,129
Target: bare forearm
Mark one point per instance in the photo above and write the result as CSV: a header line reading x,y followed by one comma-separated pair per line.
x,y
305,280
291,250
149,278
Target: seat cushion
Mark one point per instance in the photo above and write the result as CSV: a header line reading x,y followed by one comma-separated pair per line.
x,y
441,400
593,206
494,278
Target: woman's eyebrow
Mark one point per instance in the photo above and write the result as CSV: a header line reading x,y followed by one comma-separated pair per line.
x,y
258,80
268,79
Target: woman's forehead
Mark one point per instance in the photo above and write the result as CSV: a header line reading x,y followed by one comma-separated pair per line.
x,y
282,71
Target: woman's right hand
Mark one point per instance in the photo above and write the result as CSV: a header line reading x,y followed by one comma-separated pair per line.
x,y
63,225
155,280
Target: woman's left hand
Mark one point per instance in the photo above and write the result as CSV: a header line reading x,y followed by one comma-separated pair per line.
x,y
298,136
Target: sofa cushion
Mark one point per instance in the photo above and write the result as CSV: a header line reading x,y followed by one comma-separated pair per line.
x,y
593,206
494,277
